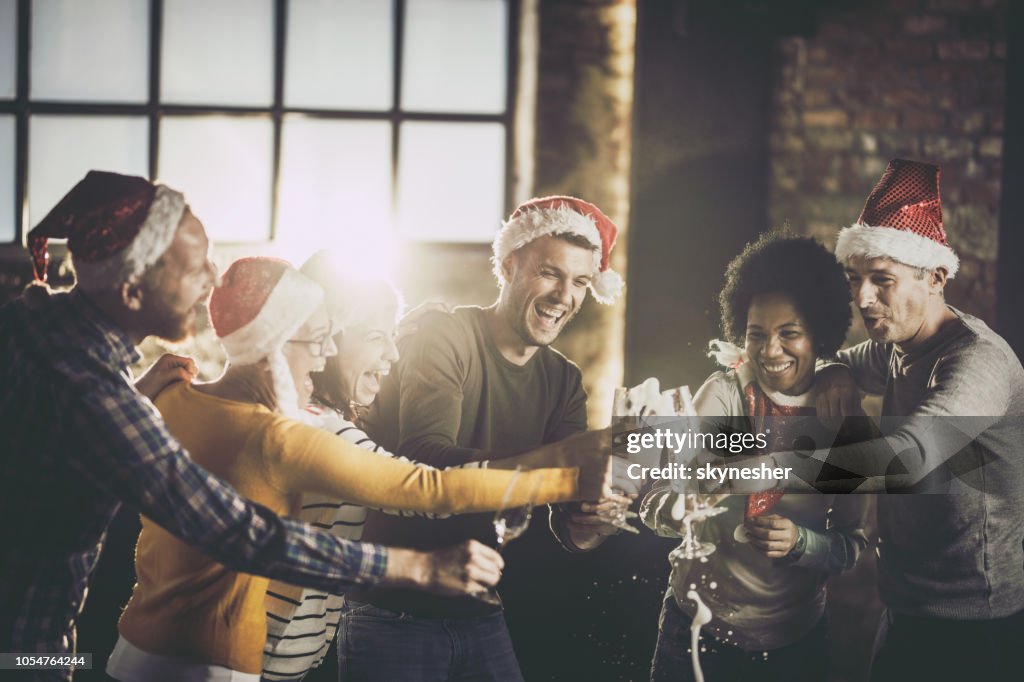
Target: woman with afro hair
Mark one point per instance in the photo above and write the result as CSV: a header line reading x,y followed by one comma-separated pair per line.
x,y
785,305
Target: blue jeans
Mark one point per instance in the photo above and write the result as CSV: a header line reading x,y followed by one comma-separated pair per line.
x,y
379,645
806,660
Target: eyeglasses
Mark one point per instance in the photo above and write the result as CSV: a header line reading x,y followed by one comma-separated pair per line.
x,y
317,346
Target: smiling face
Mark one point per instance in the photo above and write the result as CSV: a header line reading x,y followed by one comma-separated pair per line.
x,y
308,350
893,298
366,351
545,285
176,286
779,345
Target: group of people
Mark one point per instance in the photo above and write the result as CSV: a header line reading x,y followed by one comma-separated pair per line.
x,y
332,484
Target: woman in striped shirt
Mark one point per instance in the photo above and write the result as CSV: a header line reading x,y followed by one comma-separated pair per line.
x,y
301,623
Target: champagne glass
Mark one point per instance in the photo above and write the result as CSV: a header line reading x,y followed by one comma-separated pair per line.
x,y
509,523
690,508
618,515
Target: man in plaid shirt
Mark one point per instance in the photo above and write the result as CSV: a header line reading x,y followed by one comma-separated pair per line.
x,y
79,439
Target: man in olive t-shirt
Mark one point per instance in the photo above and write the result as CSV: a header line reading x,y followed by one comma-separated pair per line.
x,y
476,384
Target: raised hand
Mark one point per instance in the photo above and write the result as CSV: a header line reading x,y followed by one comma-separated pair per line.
x,y
598,517
464,569
468,568
836,393
165,371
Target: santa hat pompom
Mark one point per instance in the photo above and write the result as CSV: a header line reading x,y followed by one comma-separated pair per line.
x,y
607,286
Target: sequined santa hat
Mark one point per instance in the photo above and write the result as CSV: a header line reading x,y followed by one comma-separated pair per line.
x,y
116,225
260,304
902,220
557,215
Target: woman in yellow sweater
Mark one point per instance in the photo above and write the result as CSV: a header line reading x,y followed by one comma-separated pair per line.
x,y
191,618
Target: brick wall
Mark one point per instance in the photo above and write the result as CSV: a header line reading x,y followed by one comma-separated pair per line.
x,y
920,79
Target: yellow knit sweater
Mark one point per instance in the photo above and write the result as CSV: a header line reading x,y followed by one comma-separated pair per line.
x,y
187,605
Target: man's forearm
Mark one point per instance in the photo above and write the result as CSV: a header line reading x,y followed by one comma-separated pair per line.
x,y
406,568
440,455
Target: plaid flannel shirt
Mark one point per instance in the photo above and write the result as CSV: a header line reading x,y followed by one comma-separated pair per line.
x,y
77,440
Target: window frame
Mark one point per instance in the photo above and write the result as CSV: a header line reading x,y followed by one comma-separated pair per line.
x,y
22,107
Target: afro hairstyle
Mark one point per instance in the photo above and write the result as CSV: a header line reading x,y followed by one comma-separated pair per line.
x,y
800,268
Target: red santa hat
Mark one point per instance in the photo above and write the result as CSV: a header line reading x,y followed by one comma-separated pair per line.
x,y
902,220
260,304
563,215
116,226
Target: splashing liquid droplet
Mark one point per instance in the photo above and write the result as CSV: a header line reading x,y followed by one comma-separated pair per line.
x,y
701,618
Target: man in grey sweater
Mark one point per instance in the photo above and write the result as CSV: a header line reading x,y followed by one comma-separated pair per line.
x,y
951,565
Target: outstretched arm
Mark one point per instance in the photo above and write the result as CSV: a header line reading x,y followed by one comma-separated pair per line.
x,y
968,393
125,451
301,458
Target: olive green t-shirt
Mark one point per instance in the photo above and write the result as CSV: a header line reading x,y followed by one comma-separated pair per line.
x,y
451,399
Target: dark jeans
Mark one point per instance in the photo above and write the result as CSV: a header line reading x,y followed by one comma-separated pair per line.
x,y
916,648
380,645
806,660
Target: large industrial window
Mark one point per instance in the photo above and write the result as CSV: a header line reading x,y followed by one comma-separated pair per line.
x,y
291,121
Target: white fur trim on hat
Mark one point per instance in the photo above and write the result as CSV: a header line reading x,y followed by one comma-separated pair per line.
x,y
154,237
285,393
539,222
292,300
290,303
902,246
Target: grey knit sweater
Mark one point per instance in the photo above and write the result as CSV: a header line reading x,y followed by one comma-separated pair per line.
x,y
957,555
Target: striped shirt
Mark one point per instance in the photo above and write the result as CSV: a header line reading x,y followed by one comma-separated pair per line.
x,y
79,441
301,623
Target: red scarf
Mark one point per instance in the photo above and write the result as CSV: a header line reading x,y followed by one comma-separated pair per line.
x,y
760,409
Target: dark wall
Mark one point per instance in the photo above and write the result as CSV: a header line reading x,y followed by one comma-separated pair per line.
x,y
1010,286
699,180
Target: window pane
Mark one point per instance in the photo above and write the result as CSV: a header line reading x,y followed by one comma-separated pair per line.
x,y
7,216
456,165
94,51
62,149
339,54
454,57
8,48
222,164
218,52
335,186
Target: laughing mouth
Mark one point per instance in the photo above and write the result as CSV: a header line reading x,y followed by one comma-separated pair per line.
x,y
777,367
378,374
549,314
